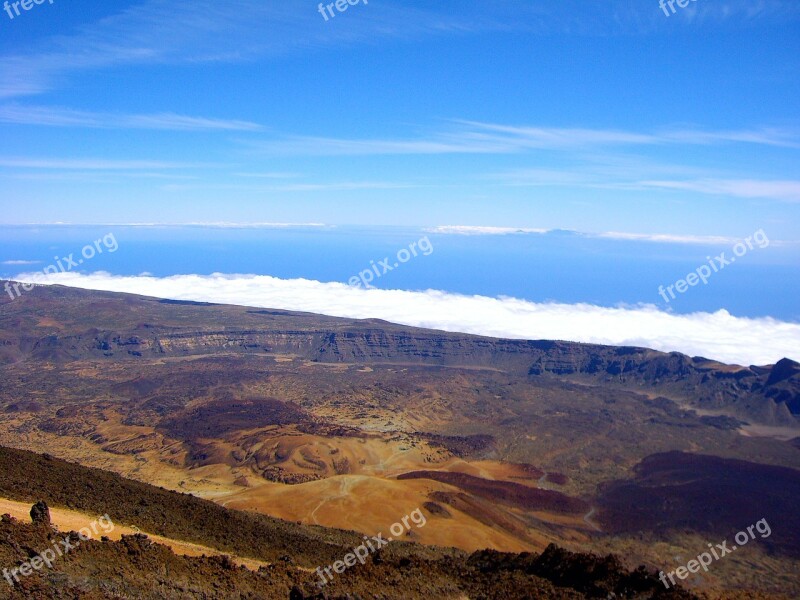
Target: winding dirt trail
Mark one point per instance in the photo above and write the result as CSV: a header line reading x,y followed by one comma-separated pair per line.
x,y
344,490
587,519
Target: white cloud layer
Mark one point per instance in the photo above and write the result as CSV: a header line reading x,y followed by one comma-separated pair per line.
x,y
719,335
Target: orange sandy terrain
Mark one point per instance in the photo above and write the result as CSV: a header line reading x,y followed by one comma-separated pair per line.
x,y
371,505
368,499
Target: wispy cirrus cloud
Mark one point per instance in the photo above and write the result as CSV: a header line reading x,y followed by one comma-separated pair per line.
x,y
576,137
785,190
766,136
180,32
779,189
325,146
163,225
584,157
295,187
93,164
170,32
64,117
268,175
470,137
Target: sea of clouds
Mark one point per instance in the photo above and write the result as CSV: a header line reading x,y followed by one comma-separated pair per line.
x,y
717,335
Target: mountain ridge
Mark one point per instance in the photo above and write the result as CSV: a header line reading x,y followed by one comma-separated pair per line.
x,y
767,395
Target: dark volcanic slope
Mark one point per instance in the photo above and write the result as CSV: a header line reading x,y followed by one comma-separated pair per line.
x,y
674,490
62,324
225,415
135,568
29,477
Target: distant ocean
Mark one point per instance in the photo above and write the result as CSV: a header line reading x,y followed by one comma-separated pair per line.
x,y
562,267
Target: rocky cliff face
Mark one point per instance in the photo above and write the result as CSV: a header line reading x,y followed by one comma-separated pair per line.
x,y
766,394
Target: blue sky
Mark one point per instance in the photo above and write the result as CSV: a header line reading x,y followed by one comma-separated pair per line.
x,y
585,115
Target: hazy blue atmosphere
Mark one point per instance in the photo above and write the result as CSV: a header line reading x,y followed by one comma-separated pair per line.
x,y
286,148
559,266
